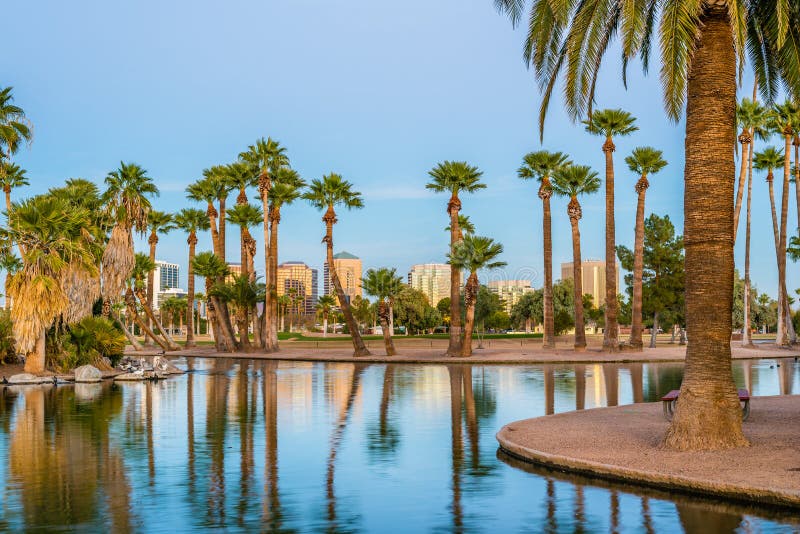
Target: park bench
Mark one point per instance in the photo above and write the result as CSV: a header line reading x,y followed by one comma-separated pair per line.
x,y
668,401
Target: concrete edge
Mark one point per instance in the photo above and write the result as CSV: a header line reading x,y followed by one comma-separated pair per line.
x,y
614,473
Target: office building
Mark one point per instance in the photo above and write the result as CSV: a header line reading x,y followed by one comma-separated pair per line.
x,y
433,279
593,279
234,269
348,269
510,291
298,279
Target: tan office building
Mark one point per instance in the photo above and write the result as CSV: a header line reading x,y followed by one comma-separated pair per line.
x,y
594,279
348,268
433,279
510,291
298,278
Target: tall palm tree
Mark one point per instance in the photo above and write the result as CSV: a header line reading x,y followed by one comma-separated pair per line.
x,y
142,267
205,190
159,222
286,188
265,157
10,263
246,216
325,194
572,181
384,284
191,221
541,165
747,113
700,45
213,268
325,306
53,243
220,182
786,120
644,161
610,123
472,254
15,128
127,204
12,176
244,293
455,177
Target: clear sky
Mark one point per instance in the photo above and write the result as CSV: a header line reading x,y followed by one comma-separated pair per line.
x,y
376,91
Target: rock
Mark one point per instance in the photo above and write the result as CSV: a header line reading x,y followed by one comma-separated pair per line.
x,y
87,373
164,366
88,392
129,377
24,378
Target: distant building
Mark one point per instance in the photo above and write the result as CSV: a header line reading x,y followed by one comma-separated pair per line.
x,y
433,279
298,277
234,269
593,279
171,292
348,269
166,275
510,291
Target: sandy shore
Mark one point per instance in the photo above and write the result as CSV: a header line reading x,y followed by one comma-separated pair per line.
x,y
623,444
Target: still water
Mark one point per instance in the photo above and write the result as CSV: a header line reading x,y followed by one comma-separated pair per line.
x,y
242,445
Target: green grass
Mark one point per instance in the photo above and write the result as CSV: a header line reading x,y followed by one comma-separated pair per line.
x,y
284,336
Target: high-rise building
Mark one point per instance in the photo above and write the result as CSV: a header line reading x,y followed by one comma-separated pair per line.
x,y
594,279
234,269
433,279
510,291
348,269
166,275
298,278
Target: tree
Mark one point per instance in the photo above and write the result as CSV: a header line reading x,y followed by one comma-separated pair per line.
x,y
15,128
643,161
363,310
142,268
473,253
701,44
326,194
12,176
384,285
663,270
412,310
54,244
325,305
541,165
159,222
286,188
455,177
264,157
570,182
191,221
748,114
10,263
213,268
528,310
610,123
244,293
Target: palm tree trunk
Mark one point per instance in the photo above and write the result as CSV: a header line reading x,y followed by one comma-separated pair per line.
x,y
577,275
130,300
211,211
8,298
707,414
192,241
454,344
383,315
264,185
746,142
153,241
128,334
243,325
747,340
781,323
171,345
325,325
549,339
654,331
611,330
359,348
470,294
638,267
273,277
796,144
222,229
783,339
34,361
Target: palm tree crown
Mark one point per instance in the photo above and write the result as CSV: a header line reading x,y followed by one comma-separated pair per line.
x,y
11,176
475,253
382,283
610,123
541,164
333,191
768,159
15,128
210,266
575,180
160,223
127,196
454,177
645,160
326,304
192,220
265,156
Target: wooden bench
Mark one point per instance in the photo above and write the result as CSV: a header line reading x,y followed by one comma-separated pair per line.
x,y
668,401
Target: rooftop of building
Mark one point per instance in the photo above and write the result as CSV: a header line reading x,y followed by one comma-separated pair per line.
x,y
344,255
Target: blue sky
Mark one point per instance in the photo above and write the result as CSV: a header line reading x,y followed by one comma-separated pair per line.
x,y
378,92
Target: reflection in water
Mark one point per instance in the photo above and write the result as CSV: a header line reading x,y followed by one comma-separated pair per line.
x,y
186,453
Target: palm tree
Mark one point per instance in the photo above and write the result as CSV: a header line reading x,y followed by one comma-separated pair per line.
x,y
747,115
244,294
384,284
455,177
464,224
286,188
610,123
143,266
572,181
12,176
15,129
541,165
191,221
127,204
205,190
246,216
10,263
472,254
212,268
643,161
700,44
159,222
785,118
325,305
265,157
326,194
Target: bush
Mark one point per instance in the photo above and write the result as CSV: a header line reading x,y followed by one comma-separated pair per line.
x,y
7,352
91,339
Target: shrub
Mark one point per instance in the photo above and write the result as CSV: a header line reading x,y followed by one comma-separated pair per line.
x,y
7,352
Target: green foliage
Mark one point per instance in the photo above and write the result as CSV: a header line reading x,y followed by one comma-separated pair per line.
x,y
7,352
98,336
531,306
412,310
486,306
454,177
